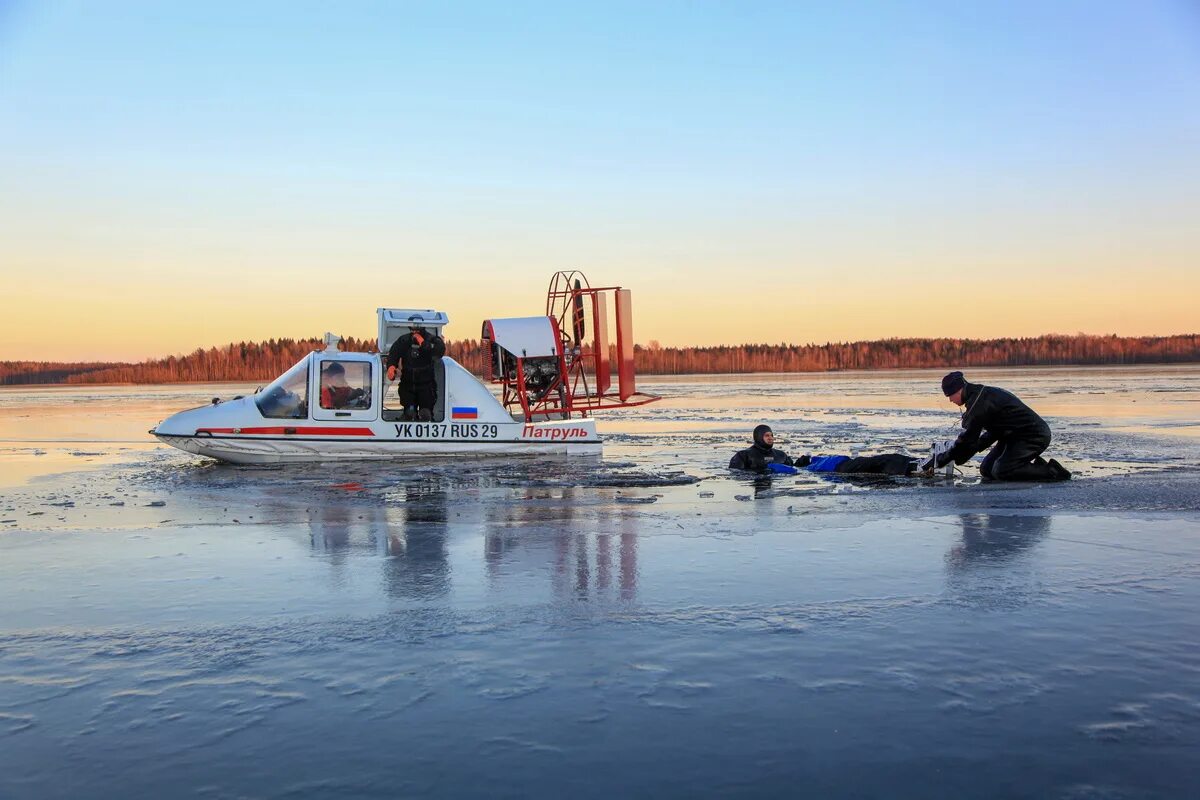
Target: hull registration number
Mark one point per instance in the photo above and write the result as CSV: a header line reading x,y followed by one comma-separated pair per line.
x,y
446,430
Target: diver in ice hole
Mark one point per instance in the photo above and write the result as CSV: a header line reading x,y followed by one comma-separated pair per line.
x,y
996,418
756,457
415,354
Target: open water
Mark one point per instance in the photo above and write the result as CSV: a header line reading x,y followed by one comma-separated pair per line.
x,y
641,624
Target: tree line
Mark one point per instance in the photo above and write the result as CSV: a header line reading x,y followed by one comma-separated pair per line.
x,y
1049,350
263,361
30,372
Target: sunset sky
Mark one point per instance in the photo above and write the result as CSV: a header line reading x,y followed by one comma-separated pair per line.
x,y
175,175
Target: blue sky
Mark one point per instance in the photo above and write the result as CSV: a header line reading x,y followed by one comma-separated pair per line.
x,y
814,171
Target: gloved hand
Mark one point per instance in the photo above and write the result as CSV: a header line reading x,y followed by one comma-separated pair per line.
x,y
937,459
392,373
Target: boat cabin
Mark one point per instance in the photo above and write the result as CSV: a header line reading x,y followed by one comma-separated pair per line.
x,y
338,386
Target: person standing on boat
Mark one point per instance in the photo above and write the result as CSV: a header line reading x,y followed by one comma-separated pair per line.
x,y
415,354
996,418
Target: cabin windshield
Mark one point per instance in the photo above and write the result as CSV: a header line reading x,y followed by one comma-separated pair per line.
x,y
287,396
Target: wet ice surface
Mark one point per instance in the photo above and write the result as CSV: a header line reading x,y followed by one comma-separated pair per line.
x,y
641,624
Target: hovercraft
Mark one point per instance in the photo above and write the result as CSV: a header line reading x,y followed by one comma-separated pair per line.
x,y
550,377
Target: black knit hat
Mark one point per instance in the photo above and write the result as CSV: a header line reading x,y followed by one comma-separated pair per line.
x,y
952,383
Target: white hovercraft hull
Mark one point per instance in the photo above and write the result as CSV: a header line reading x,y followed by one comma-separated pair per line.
x,y
576,437
475,423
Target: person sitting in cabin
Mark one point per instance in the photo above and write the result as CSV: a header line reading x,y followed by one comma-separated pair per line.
x,y
335,392
415,354
763,457
996,418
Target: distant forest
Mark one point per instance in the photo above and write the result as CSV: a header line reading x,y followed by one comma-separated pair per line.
x,y
263,361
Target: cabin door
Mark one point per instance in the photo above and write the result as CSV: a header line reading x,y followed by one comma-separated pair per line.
x,y
344,389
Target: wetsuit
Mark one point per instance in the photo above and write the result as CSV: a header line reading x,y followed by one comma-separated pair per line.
x,y
757,457
997,417
416,353
883,464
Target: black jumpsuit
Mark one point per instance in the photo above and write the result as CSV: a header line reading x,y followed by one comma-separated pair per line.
x,y
882,464
757,457
996,417
418,382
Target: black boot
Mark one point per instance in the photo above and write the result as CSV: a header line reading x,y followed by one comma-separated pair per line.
x,y
1061,472
1033,471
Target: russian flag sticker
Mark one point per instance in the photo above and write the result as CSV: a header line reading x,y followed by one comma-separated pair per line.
x,y
464,412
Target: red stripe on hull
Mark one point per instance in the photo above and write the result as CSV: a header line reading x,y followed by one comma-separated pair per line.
x,y
289,430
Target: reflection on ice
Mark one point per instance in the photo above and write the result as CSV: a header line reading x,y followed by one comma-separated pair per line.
x,y
993,565
417,566
533,532
992,539
580,566
410,542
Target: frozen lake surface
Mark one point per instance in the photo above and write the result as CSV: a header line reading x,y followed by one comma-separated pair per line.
x,y
642,624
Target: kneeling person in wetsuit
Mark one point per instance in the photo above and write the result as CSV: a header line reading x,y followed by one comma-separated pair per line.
x,y
993,416
762,453
415,354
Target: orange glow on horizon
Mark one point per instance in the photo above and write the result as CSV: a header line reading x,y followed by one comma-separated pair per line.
x,y
98,323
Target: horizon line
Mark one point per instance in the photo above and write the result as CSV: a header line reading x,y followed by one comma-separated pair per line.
x,y
643,345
